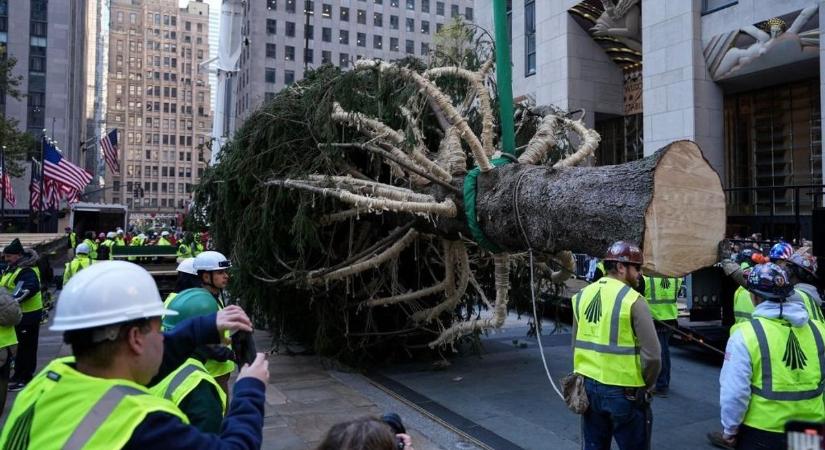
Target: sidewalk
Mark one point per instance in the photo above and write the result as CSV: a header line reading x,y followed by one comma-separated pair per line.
x,y
303,400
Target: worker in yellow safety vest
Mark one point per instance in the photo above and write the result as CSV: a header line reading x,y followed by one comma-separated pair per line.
x,y
72,236
78,263
773,368
801,268
661,294
616,351
164,238
89,239
97,399
22,279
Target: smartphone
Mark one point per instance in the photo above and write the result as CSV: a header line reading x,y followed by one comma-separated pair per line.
x,y
805,435
244,347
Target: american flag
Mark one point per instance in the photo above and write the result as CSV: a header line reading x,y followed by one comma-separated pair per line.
x,y
66,175
8,190
110,150
34,188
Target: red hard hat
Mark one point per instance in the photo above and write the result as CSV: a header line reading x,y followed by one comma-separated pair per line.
x,y
624,252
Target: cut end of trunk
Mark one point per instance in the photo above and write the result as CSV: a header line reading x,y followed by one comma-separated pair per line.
x,y
686,217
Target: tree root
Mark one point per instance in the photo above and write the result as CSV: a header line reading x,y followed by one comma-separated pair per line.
x,y
541,142
590,140
452,292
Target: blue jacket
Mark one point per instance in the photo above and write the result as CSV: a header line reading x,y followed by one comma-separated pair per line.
x,y
243,424
735,377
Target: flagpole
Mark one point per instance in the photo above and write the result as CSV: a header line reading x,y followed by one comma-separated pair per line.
x,y
40,226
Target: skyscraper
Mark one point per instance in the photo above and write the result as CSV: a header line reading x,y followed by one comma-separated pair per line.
x,y
159,100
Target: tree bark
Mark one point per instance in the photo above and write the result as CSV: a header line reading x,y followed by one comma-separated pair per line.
x,y
670,203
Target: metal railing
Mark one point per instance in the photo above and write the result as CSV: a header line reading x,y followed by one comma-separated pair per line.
x,y
752,205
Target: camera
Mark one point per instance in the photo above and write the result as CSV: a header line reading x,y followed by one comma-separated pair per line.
x,y
397,426
244,348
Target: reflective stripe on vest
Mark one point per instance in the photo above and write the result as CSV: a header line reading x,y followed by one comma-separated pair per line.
x,y
742,305
814,311
787,380
97,415
178,384
662,300
178,379
607,352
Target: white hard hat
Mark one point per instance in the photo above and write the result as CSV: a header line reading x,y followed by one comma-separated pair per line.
x,y
188,266
110,234
164,233
119,231
107,293
211,260
142,236
82,248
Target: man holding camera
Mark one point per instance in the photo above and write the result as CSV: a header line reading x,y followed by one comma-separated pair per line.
x,y
111,314
616,351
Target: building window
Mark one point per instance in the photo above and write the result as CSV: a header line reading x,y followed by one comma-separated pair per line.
x,y
269,75
326,34
529,37
326,11
439,8
709,6
271,26
378,19
425,49
289,53
290,29
326,57
343,37
454,11
309,6
309,32
309,56
271,50
468,14
272,5
425,6
361,17
290,6
393,22
410,47
394,44
361,39
410,25
377,42
394,3
343,60
411,5
344,16
289,77
425,27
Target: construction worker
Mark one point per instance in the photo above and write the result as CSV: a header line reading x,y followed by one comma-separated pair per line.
x,y
742,300
72,237
617,352
211,268
22,279
104,251
773,368
80,262
661,293
596,271
8,339
90,241
187,279
185,247
97,399
781,254
164,238
802,268
197,247
190,386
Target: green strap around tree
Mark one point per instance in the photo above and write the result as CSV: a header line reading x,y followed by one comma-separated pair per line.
x,y
470,188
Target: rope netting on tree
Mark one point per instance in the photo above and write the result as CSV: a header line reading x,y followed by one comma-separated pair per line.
x,y
341,203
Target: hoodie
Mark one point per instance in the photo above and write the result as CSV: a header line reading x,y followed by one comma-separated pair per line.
x,y
735,377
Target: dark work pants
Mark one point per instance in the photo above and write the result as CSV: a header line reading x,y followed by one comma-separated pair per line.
x,y
753,439
28,332
612,416
663,381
